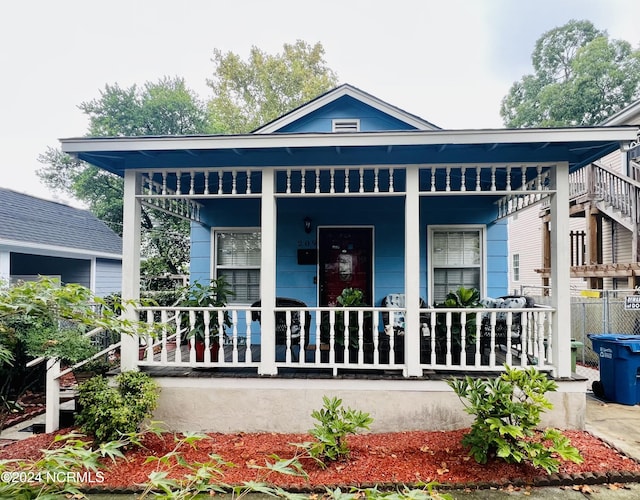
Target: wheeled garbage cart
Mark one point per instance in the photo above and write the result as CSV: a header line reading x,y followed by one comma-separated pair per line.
x,y
619,356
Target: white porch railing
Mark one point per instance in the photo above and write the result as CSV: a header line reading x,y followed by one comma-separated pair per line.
x,y
360,338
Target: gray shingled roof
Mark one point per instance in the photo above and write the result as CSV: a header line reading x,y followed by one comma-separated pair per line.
x,y
34,220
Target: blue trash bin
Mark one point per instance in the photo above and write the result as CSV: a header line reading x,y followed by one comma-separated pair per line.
x,y
619,356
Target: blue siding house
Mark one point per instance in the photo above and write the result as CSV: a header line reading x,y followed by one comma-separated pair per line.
x,y
44,238
348,192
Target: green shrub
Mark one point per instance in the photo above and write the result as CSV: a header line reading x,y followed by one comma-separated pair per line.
x,y
107,412
60,471
507,413
334,424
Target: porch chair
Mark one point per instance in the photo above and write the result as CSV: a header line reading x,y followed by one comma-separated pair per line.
x,y
393,323
281,321
504,302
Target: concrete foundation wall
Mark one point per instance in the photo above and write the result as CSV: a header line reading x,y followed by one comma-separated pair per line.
x,y
285,405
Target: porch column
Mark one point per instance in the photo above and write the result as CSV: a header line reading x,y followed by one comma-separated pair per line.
x,y
130,263
412,273
5,265
560,271
268,274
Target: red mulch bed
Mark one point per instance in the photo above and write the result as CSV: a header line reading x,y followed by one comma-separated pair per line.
x,y
385,458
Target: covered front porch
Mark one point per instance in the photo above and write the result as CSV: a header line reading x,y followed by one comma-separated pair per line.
x,y
393,210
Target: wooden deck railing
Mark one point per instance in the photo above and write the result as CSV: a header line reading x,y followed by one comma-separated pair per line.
x,y
361,338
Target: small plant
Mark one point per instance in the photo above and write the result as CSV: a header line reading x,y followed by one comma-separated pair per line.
x,y
334,424
60,472
108,412
507,413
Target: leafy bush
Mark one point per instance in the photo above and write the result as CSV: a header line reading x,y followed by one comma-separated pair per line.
x,y
334,424
507,413
107,412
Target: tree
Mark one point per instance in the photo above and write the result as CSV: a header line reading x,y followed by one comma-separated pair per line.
x,y
252,93
166,107
246,95
581,78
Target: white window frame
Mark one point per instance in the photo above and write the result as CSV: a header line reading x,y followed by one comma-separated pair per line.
x,y
337,122
214,260
481,229
515,266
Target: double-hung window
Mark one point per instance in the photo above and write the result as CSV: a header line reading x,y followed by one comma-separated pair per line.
x,y
515,261
456,259
237,259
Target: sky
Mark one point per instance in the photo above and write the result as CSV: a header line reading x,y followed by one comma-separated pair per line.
x,y
448,61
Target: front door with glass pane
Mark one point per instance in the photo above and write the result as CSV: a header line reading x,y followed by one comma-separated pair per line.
x,y
345,259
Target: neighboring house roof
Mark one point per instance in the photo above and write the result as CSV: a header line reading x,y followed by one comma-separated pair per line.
x,y
342,93
27,221
626,116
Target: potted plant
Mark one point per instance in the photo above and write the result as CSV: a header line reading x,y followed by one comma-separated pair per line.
x,y
215,294
350,297
462,298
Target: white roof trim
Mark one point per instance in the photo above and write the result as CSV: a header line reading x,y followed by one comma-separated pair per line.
x,y
346,139
54,250
335,94
623,116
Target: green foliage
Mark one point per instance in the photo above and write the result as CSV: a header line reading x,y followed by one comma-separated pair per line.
x,y
59,472
165,107
335,423
349,297
507,413
46,318
215,294
462,298
252,93
581,78
107,412
423,491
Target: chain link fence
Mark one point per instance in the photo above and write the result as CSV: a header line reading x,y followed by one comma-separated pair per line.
x,y
593,312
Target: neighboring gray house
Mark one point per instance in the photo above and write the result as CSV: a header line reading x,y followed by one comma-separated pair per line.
x,y
42,237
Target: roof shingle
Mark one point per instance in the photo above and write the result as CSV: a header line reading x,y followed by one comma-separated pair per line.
x,y
35,220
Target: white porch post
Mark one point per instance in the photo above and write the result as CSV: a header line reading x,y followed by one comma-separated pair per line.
x,y
130,263
52,396
412,273
268,274
5,265
560,271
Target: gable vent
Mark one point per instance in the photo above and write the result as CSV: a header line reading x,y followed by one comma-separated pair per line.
x,y
351,125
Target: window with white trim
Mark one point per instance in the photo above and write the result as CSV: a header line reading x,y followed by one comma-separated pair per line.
x,y
237,259
456,260
515,265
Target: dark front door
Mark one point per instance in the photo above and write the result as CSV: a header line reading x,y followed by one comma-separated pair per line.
x,y
346,261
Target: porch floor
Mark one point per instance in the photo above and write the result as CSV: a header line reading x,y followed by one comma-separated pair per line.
x,y
394,372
